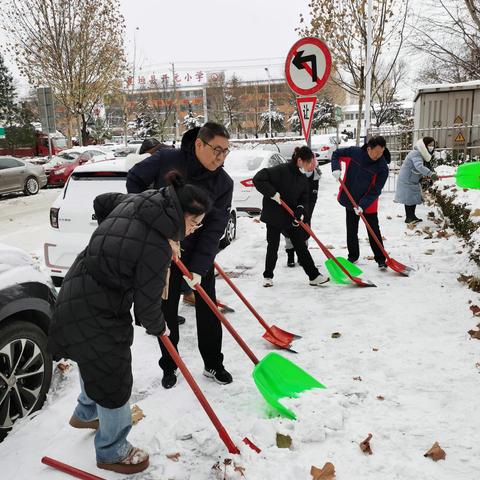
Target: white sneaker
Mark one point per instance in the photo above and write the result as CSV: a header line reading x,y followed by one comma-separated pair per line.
x,y
320,280
268,282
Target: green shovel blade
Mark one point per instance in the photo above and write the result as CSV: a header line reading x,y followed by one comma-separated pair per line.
x,y
337,274
276,377
468,175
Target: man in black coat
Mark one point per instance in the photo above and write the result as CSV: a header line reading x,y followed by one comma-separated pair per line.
x,y
201,165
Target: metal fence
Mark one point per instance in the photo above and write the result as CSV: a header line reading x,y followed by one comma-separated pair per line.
x,y
455,145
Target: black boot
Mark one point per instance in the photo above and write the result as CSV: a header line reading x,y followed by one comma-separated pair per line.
x,y
169,379
290,257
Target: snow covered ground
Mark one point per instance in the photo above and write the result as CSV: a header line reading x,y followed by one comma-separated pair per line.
x,y
403,369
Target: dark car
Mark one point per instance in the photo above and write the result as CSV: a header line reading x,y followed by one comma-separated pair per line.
x,y
27,298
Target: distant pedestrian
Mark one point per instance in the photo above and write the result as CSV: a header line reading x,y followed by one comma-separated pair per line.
x,y
409,190
365,175
287,182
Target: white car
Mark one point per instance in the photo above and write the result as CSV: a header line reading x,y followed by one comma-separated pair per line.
x,y
72,218
323,146
242,165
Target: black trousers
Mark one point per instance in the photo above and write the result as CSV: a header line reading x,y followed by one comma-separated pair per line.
x,y
410,211
352,236
297,237
209,329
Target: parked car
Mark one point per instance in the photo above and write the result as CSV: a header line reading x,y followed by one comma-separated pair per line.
x,y
60,174
69,156
20,176
242,165
27,298
323,146
72,218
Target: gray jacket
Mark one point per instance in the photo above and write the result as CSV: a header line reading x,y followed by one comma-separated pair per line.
x,y
409,191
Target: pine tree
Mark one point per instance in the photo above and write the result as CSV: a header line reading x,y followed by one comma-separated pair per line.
x,y
8,109
278,119
324,113
191,120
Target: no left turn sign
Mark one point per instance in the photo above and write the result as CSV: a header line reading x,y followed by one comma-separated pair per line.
x,y
308,66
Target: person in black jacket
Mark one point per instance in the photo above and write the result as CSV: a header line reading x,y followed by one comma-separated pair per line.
x,y
125,263
287,182
313,177
202,165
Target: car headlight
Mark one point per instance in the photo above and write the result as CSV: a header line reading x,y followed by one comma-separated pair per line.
x,y
58,172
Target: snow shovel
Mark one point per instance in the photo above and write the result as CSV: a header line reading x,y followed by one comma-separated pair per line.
x,y
199,394
467,175
341,270
390,262
274,375
74,472
277,336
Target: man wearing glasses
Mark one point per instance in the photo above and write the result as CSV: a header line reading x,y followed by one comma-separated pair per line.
x,y
200,165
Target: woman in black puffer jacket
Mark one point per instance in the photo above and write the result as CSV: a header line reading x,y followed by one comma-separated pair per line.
x,y
125,263
287,182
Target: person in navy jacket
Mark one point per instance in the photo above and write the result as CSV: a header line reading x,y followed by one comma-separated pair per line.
x,y
366,171
201,164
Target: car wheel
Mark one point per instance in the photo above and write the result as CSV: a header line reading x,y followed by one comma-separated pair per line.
x,y
25,372
31,186
230,231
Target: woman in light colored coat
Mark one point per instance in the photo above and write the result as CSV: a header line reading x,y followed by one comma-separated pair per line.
x,y
409,191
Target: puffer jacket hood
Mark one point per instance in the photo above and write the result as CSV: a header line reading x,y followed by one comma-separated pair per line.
x,y
158,208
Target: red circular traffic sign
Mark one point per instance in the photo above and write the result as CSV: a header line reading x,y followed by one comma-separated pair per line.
x,y
308,66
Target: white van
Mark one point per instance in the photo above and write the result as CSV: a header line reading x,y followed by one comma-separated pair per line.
x,y
72,218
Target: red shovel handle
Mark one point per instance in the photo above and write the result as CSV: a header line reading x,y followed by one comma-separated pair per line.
x,y
217,312
242,297
369,228
324,249
199,394
74,472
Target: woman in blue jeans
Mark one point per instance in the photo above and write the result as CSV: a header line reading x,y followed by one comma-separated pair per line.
x,y
125,263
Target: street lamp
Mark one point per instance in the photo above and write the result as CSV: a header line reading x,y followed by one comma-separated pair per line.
x,y
269,105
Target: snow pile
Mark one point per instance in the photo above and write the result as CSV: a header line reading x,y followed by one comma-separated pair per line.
x,y
17,266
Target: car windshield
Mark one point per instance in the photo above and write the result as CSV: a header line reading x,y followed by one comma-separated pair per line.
x,y
243,161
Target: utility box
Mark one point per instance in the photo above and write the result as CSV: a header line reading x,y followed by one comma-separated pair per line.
x,y
450,113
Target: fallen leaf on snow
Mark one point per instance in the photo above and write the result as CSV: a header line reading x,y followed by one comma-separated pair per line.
x,y
375,349
464,278
256,220
284,441
430,251
174,457
474,334
137,414
436,453
359,378
475,310
370,257
329,246
477,364
365,445
64,366
239,468
336,335
389,217
327,472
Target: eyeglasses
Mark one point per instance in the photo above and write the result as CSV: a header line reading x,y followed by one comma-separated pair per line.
x,y
218,150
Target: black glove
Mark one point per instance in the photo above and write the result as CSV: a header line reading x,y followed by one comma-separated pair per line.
x,y
299,213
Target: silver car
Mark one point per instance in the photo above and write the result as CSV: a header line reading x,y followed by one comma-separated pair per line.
x,y
19,176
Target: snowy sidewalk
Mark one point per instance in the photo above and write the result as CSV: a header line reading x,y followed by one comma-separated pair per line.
x,y
403,369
